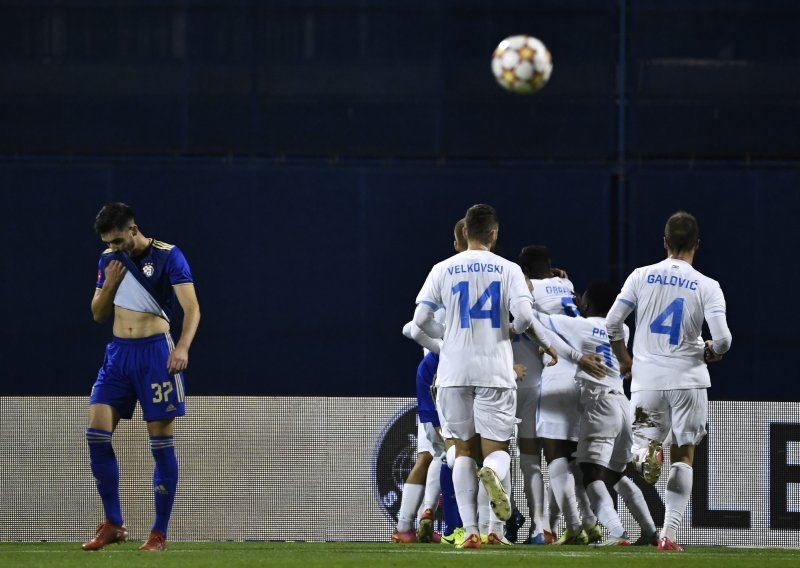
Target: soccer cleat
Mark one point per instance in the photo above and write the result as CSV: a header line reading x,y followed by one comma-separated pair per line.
x,y
538,538
648,461
549,537
106,533
405,536
454,537
498,498
156,541
573,537
472,541
613,541
666,544
492,539
484,538
513,525
425,526
645,540
594,534
436,537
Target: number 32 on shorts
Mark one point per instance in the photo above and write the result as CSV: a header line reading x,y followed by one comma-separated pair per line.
x,y
161,391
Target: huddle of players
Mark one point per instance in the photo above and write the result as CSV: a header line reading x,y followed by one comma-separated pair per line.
x,y
571,404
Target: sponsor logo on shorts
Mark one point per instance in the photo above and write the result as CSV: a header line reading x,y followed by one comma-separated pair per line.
x,y
171,408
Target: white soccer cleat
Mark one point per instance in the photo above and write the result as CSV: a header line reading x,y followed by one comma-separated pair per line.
x,y
648,461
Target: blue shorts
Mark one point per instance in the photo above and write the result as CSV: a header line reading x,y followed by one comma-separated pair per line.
x,y
136,369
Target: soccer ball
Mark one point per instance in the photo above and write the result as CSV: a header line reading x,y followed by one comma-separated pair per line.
x,y
522,64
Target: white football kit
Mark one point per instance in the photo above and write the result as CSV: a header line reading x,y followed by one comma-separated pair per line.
x,y
604,436
557,416
479,290
669,374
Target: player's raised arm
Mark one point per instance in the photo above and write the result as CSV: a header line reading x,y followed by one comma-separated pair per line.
x,y
108,283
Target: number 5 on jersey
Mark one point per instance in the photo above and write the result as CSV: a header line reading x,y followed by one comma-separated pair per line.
x,y
675,312
477,311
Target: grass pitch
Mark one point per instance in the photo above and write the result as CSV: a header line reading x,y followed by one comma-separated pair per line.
x,y
379,555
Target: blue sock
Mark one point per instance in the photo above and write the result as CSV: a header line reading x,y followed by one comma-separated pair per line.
x,y
165,479
452,519
105,471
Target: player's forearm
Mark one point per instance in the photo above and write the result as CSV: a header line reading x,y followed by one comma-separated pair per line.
x,y
621,352
423,318
615,321
720,334
191,321
103,304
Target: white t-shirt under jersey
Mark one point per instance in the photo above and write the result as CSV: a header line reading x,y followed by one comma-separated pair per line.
x,y
671,300
478,290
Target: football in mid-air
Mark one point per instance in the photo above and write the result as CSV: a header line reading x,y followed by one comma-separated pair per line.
x,y
522,64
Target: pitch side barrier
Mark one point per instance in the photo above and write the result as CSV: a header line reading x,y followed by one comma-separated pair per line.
x,y
319,469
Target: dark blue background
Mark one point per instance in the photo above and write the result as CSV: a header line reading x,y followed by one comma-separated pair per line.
x,y
311,158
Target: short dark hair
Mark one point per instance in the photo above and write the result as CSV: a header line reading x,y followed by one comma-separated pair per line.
x,y
681,231
601,295
534,259
114,216
458,233
480,220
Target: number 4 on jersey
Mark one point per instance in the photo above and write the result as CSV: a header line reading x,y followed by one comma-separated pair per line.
x,y
659,325
491,294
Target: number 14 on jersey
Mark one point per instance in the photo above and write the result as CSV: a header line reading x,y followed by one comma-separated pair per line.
x,y
479,310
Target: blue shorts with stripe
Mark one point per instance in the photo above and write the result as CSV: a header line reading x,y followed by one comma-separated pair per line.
x,y
136,369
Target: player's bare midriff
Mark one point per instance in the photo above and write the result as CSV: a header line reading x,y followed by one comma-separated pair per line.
x,y
129,324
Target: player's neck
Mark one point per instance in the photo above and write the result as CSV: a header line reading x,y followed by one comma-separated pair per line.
x,y
477,245
140,244
684,255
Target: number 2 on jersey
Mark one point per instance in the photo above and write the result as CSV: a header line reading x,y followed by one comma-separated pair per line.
x,y
675,309
491,294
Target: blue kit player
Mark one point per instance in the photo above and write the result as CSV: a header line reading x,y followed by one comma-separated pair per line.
x,y
138,281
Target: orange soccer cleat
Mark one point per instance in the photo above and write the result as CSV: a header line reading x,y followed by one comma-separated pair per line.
x,y
106,533
156,541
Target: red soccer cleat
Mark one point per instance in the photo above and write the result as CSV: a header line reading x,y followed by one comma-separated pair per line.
x,y
666,544
425,526
157,541
405,536
472,541
549,537
106,533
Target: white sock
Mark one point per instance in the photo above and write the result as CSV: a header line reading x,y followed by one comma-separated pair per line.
x,y
634,500
531,466
552,509
500,462
563,484
451,457
485,514
465,483
409,503
679,488
603,505
433,487
588,518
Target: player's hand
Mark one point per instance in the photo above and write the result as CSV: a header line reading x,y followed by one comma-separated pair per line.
x,y
709,354
178,360
520,371
552,352
559,273
115,272
593,364
625,369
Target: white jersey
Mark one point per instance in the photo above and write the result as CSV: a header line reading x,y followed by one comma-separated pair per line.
x,y
477,289
671,300
526,352
554,296
589,337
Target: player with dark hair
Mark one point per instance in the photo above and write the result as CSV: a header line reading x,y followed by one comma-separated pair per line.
x,y
476,380
669,373
138,280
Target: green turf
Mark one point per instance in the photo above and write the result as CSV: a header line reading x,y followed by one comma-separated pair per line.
x,y
342,554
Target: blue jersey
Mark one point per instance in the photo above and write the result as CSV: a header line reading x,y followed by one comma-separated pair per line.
x,y
425,373
147,287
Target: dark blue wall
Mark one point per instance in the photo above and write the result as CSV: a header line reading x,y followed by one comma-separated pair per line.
x,y
311,158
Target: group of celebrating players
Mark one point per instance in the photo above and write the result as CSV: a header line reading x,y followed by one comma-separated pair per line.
x,y
515,353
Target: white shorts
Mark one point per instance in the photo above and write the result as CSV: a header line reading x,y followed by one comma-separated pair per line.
x,y
429,440
445,430
670,416
558,416
605,430
488,411
527,401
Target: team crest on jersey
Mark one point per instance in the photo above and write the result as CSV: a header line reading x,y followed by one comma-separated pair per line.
x,y
395,455
148,269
